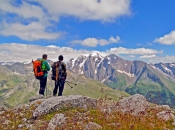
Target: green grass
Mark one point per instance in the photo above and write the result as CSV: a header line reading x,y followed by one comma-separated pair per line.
x,y
94,89
85,86
119,82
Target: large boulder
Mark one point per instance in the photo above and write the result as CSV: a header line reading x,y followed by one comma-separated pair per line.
x,y
57,103
92,126
166,115
57,120
33,98
162,107
135,104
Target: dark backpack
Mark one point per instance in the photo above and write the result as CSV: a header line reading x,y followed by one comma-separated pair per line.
x,y
58,71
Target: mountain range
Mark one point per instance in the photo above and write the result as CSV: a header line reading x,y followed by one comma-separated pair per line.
x,y
17,85
94,72
155,81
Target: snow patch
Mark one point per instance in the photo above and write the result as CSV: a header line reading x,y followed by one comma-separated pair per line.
x,y
95,71
128,74
172,65
109,62
27,62
100,62
82,72
108,58
103,80
16,73
94,54
73,62
154,67
7,63
96,59
167,69
82,64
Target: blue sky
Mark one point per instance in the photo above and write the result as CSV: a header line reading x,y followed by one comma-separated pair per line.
x,y
134,30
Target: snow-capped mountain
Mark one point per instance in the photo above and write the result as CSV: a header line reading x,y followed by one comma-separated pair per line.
x,y
103,68
168,68
7,63
153,81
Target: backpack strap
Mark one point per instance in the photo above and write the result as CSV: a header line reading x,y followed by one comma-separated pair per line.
x,y
57,73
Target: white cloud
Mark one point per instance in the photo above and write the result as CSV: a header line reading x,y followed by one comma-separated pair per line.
x,y
30,32
103,42
27,52
167,39
24,14
93,42
114,40
140,51
105,10
29,22
163,59
147,56
24,10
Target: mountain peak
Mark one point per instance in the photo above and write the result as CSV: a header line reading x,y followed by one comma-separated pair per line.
x,y
81,56
94,54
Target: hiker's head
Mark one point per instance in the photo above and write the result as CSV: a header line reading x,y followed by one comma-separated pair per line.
x,y
60,58
44,56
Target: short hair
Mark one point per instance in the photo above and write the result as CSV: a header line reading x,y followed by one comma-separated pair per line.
x,y
44,56
60,57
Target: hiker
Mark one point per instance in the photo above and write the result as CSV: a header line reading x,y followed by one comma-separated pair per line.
x,y
45,68
60,77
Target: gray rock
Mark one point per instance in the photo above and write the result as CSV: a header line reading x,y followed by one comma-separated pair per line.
x,y
20,125
29,126
165,115
56,121
57,103
6,122
24,119
20,107
1,112
164,107
92,126
173,124
36,103
36,97
135,104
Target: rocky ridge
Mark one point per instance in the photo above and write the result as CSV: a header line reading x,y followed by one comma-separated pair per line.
x,y
75,112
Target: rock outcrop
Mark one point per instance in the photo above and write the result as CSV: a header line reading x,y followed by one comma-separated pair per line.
x,y
71,101
57,120
92,126
31,99
166,115
135,104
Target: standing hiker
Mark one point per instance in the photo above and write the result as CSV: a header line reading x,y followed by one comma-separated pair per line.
x,y
60,76
45,68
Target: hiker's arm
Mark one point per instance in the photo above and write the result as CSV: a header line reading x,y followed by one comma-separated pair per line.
x,y
47,67
65,71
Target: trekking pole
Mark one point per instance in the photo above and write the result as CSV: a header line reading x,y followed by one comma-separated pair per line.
x,y
46,90
69,85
